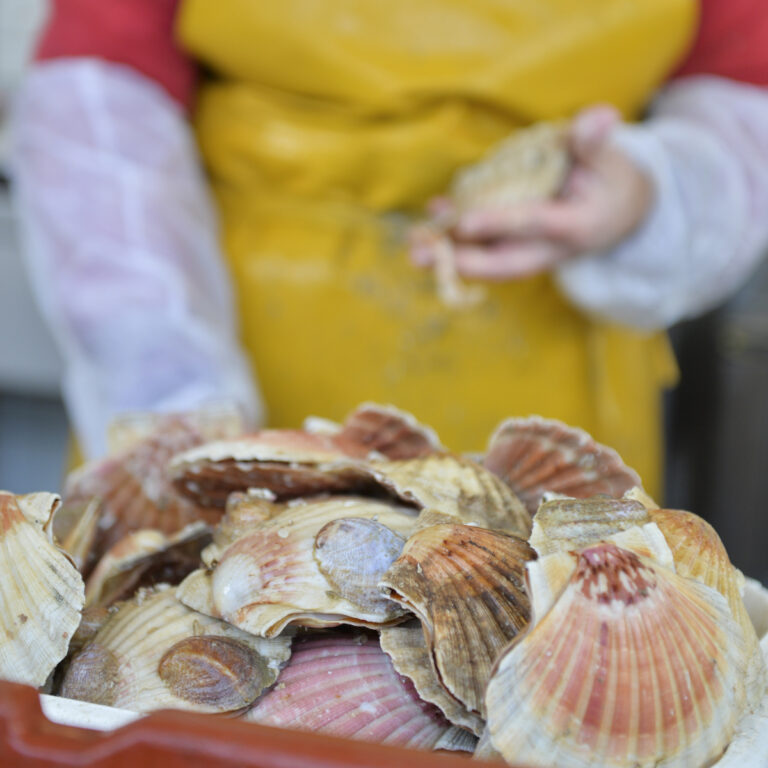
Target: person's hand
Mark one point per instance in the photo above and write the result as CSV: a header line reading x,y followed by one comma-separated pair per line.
x,y
604,199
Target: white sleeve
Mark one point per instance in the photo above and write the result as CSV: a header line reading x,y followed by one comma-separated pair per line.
x,y
705,147
121,243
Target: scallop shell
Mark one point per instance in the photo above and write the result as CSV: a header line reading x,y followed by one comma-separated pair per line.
x,y
154,653
143,559
390,432
456,739
215,421
406,646
566,523
535,455
41,595
699,554
271,577
466,585
529,165
288,463
633,666
454,486
82,530
135,489
345,685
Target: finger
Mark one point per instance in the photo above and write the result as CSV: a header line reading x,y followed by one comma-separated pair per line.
x,y
421,245
509,262
558,220
590,130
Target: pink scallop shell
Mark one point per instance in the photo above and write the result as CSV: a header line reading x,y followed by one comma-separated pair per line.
x,y
343,684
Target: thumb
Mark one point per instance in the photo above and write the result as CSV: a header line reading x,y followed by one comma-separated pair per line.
x,y
590,130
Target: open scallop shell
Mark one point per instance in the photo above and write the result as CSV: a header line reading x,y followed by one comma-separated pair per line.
x,y
466,585
633,666
288,463
345,685
565,523
41,594
406,646
699,554
272,576
135,490
143,559
454,486
535,455
155,653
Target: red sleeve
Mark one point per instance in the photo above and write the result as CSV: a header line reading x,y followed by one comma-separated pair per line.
x,y
732,41
138,33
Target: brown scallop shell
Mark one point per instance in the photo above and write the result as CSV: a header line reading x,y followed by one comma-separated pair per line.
x,y
633,666
154,653
41,593
466,585
343,684
535,455
406,646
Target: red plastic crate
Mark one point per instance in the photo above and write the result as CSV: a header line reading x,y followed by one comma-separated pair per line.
x,y
186,740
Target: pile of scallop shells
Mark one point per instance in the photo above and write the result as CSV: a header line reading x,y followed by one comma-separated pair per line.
x,y
358,579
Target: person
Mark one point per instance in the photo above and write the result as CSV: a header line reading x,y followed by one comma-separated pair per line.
x,y
324,129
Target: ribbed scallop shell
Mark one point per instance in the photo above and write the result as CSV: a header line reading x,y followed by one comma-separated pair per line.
x,y
288,463
390,432
564,523
135,489
41,596
633,666
406,646
271,577
466,585
153,653
699,554
454,486
345,685
143,559
535,455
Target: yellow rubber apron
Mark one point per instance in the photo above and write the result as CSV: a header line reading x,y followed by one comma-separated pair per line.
x,y
325,128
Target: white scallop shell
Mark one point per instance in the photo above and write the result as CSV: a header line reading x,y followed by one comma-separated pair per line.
x,y
41,595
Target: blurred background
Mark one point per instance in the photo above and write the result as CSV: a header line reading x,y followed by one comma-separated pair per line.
x,y
717,419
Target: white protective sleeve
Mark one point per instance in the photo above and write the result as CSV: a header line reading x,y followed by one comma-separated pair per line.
x,y
705,147
121,243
